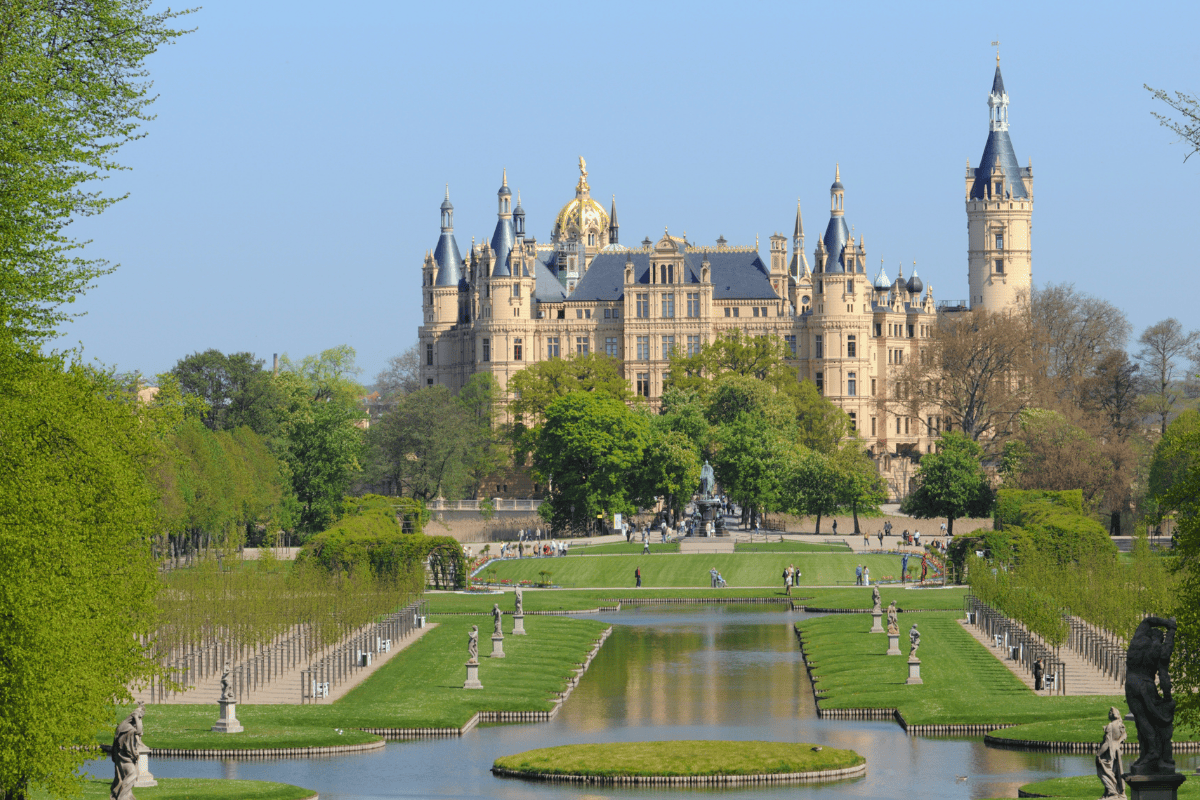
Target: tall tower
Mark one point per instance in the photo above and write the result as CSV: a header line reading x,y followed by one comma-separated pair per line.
x,y
999,215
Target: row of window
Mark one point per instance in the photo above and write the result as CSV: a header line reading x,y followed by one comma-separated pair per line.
x,y
759,311
642,305
612,347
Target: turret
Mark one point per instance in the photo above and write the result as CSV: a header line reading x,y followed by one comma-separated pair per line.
x,y
837,233
450,264
799,265
503,238
612,222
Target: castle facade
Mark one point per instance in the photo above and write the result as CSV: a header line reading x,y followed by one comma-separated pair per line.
x,y
514,301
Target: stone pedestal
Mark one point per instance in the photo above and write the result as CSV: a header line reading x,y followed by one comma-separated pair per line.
x,y
518,624
144,778
497,647
1154,787
228,722
914,672
472,681
894,645
877,622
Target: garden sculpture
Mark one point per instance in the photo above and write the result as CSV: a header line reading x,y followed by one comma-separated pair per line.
x,y
893,620
473,645
1149,656
520,602
226,685
126,742
878,604
1108,757
497,615
914,641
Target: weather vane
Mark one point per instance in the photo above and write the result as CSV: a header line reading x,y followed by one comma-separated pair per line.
x,y
996,44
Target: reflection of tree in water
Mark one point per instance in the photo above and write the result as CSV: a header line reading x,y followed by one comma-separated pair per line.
x,y
443,566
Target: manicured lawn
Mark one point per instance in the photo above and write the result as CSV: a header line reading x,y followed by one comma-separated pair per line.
x,y
788,546
963,682
1090,729
623,548
1089,786
197,789
583,599
679,759
691,569
420,687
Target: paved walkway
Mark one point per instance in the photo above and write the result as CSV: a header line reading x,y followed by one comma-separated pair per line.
x,y
285,688
1080,677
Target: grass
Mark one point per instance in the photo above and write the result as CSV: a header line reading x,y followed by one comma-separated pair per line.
x,y
623,548
963,682
1089,786
678,759
585,599
790,547
420,687
691,569
197,789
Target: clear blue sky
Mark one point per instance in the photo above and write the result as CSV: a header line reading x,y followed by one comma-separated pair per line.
x,y
289,187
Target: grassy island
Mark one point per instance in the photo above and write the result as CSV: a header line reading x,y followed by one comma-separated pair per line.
x,y
685,759
1089,786
198,789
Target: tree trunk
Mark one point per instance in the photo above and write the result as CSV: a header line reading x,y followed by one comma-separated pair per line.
x,y
818,524
854,511
950,526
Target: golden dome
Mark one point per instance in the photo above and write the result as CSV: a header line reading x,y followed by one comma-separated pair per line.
x,y
567,223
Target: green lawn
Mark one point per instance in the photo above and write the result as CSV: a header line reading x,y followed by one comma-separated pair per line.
x,y
788,546
196,789
583,599
420,687
679,759
622,548
691,569
1089,786
963,682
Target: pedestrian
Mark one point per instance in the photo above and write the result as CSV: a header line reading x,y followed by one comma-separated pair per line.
x,y
904,568
881,538
887,527
866,541
924,567
866,576
943,529
858,575
917,538
628,532
712,578
835,527
637,575
787,581
645,546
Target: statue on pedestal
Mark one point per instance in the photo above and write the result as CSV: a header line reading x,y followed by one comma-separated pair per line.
x,y
127,742
877,603
520,603
1108,756
893,622
914,641
497,616
473,645
1149,656
226,686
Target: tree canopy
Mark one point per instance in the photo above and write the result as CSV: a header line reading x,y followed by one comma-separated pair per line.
x,y
951,483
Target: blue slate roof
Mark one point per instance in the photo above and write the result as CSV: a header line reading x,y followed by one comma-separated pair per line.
x,y
736,275
548,288
999,149
837,233
503,240
449,261
998,82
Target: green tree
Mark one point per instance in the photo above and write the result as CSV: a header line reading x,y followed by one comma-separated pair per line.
x,y
1184,496
76,515
488,450
820,425
951,483
1048,452
75,91
422,447
1172,460
683,411
236,389
670,469
860,486
534,388
589,452
1163,345
733,352
813,486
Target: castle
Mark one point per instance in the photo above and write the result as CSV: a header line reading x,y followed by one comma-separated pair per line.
x,y
514,301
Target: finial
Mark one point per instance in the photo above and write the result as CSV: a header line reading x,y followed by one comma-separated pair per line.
x,y
996,44
447,191
756,241
837,171
518,197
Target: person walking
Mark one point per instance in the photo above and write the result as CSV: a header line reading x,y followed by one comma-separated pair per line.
x,y
904,568
866,576
835,526
858,575
646,546
881,539
924,567
637,576
866,540
787,581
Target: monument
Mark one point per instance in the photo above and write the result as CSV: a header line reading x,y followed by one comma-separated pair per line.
x,y
1108,757
914,663
127,756
876,611
1153,775
519,614
228,721
893,630
472,681
497,634
706,503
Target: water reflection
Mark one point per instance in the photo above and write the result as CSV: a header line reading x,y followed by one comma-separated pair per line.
x,y
713,673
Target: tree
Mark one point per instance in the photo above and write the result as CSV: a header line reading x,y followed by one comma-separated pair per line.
x,y
236,389
1163,344
820,425
76,515
534,388
733,352
1071,333
1184,497
487,452
812,487
670,469
588,451
421,448
974,373
860,486
74,93
401,376
951,483
1112,391
1048,452
1189,108
1172,459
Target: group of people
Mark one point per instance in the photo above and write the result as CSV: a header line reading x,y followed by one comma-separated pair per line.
x,y
790,576
715,580
535,546
862,576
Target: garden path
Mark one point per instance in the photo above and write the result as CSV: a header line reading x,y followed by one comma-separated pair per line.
x,y
1080,676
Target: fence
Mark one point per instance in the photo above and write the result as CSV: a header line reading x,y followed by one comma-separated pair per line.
x,y
357,652
1100,648
498,504
1021,645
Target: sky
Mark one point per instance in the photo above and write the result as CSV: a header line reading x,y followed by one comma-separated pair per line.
x,y
288,188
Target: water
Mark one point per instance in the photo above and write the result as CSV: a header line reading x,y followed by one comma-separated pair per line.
x,y
670,673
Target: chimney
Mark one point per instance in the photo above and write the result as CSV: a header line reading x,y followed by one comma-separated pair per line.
x,y
275,364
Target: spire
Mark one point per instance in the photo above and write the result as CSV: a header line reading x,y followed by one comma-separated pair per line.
x,y
519,218
799,265
915,284
612,222
447,212
449,260
504,237
998,154
882,283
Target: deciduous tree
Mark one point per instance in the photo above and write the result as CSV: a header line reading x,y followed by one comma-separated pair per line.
x,y
951,483
1163,345
401,376
1188,126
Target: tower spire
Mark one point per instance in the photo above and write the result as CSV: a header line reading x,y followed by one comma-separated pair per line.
x,y
612,222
